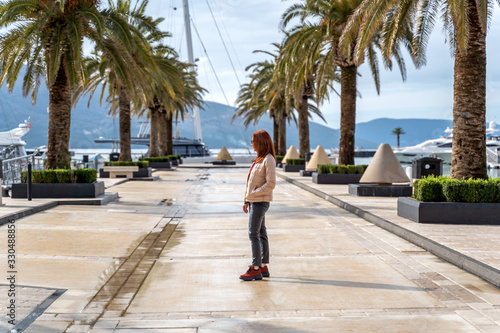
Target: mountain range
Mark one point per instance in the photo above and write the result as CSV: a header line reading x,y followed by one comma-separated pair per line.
x,y
89,123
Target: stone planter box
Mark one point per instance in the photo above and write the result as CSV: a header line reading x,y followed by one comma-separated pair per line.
x,y
293,168
55,190
160,165
224,163
449,212
336,178
174,163
373,190
142,173
305,173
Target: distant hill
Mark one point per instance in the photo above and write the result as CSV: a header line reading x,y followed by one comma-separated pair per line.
x,y
217,130
416,130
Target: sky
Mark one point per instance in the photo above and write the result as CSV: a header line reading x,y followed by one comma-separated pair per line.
x,y
247,26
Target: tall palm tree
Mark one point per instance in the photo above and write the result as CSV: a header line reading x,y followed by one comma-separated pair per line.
x,y
185,99
266,94
127,97
315,42
398,131
175,92
465,25
45,38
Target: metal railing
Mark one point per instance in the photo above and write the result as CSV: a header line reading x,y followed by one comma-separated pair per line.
x,y
12,168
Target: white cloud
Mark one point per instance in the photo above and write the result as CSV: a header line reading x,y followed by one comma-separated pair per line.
x,y
253,25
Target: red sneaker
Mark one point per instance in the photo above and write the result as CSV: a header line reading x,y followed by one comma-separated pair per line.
x,y
265,271
251,274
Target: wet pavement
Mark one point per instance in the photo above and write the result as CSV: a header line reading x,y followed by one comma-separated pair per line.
x,y
166,256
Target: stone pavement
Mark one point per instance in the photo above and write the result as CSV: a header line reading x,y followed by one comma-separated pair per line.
x,y
472,247
166,256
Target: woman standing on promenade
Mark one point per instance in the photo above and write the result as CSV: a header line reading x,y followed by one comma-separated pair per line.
x,y
261,181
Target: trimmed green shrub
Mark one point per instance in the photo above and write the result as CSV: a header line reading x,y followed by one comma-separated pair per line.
x,y
157,159
140,164
445,189
61,176
85,175
296,161
323,168
342,169
279,158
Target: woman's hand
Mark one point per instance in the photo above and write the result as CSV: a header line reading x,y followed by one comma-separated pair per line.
x,y
245,208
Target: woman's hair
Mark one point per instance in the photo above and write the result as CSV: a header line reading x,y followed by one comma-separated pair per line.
x,y
264,144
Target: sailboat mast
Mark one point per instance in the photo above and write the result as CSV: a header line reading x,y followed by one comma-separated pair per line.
x,y
189,41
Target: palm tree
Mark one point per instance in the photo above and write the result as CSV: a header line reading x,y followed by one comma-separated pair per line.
x,y
266,93
465,25
45,38
398,131
175,92
186,97
104,71
315,46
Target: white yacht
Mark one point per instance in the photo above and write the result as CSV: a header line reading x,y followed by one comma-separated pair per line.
x,y
441,147
11,144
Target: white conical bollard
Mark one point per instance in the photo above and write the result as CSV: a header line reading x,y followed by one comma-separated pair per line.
x,y
384,168
291,153
319,157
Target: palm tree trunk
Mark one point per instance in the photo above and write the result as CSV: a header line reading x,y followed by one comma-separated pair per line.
x,y
59,121
169,135
347,114
398,140
124,105
282,136
275,130
468,157
163,132
304,146
153,137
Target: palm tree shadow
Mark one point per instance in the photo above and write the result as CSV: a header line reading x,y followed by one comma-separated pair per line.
x,y
347,284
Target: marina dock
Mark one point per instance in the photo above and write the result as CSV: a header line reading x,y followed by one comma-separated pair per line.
x,y
165,256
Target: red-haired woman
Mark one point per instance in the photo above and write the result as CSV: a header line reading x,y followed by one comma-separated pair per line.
x,y
261,181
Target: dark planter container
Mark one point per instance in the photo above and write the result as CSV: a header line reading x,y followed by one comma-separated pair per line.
x,y
174,163
293,168
449,212
373,190
336,178
305,173
76,190
224,162
142,173
160,165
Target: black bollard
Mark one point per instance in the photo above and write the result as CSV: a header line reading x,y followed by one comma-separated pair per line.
x,y
29,181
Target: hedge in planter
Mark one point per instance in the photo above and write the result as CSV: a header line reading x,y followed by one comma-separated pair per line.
x,y
446,200
445,189
60,176
160,162
342,169
140,164
294,164
79,183
338,174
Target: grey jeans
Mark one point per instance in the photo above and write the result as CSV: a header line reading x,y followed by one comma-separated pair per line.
x,y
257,233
